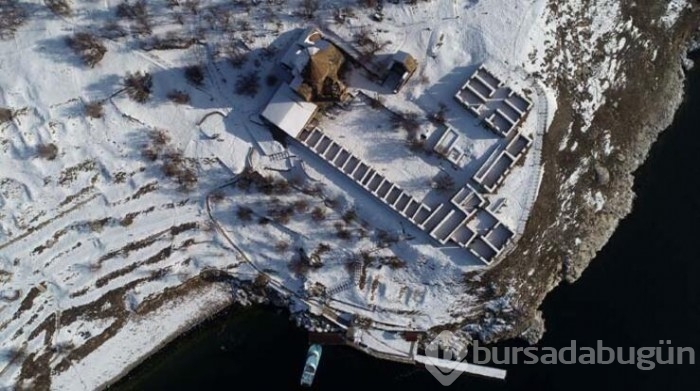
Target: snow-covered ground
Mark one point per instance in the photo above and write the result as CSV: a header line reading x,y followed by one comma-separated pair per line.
x,y
90,239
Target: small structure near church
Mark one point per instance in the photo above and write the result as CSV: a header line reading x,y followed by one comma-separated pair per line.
x,y
401,68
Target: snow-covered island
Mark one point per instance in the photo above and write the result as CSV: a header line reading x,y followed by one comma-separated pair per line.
x,y
384,170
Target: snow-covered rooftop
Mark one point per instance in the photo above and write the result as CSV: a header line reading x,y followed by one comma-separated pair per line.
x,y
288,111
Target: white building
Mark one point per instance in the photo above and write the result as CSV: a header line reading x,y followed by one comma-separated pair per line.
x,y
288,111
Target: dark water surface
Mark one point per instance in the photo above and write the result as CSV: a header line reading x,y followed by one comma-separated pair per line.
x,y
644,286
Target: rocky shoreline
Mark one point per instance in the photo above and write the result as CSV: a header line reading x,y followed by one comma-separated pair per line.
x,y
575,246
623,186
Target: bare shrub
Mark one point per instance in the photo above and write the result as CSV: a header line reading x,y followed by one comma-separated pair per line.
x,y
235,52
281,186
423,79
393,262
47,151
169,41
344,13
318,214
248,84
59,7
364,37
301,206
350,216
440,116
299,266
244,181
261,281
194,74
309,8
443,182
244,25
137,12
368,3
271,80
149,153
416,144
377,103
94,109
342,232
408,121
264,183
386,238
138,86
180,169
333,203
375,285
322,248
112,30
281,246
120,177
281,214
159,137
128,219
369,44
179,97
6,115
217,196
12,15
268,52
244,213
192,6
315,190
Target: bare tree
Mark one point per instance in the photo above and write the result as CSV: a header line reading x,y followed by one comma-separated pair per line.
x,y
88,47
261,281
309,8
138,12
6,115
177,167
59,7
440,116
416,144
386,238
408,121
281,214
271,80
159,137
217,196
12,15
301,206
281,246
94,109
235,52
179,97
318,214
443,182
194,74
138,86
342,232
149,153
299,266
47,151
244,213
248,84
349,216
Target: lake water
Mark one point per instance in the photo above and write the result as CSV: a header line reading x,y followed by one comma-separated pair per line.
x,y
644,286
